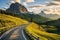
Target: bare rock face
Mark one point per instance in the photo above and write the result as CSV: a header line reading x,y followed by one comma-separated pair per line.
x,y
17,8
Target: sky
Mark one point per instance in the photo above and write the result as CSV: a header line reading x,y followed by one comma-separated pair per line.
x,y
4,3
49,6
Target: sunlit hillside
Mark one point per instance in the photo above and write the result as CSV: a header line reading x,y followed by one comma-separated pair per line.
x,y
37,32
7,22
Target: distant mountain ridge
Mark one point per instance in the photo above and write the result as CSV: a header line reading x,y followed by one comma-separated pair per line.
x,y
17,8
52,16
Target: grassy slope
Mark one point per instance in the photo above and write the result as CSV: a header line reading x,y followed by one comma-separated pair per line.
x,y
7,22
16,20
37,31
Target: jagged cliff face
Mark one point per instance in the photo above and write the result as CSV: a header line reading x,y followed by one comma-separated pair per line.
x,y
17,8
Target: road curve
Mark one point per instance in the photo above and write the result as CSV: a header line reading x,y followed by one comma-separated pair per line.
x,y
15,34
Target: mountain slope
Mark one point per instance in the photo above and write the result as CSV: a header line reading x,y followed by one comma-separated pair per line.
x,y
34,18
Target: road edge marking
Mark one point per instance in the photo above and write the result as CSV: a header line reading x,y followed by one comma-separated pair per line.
x,y
23,35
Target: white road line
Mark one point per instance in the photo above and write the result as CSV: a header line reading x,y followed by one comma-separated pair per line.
x,y
23,35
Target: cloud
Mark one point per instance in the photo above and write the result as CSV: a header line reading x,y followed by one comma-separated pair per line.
x,y
11,2
19,1
52,7
56,0
37,6
29,1
46,2
53,11
51,4
25,4
47,9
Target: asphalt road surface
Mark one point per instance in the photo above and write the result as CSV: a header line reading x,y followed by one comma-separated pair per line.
x,y
15,34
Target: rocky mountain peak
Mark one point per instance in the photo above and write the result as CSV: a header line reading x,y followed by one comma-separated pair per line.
x,y
17,8
42,13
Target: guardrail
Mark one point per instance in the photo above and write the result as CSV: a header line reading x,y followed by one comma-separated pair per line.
x,y
31,36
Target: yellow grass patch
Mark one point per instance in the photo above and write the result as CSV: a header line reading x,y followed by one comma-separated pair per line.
x,y
34,30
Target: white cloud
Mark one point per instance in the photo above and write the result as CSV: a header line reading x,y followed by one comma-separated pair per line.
x,y
12,2
56,2
47,2
25,4
49,9
29,1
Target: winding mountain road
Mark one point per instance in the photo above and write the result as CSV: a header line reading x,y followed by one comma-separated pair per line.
x,y
15,34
